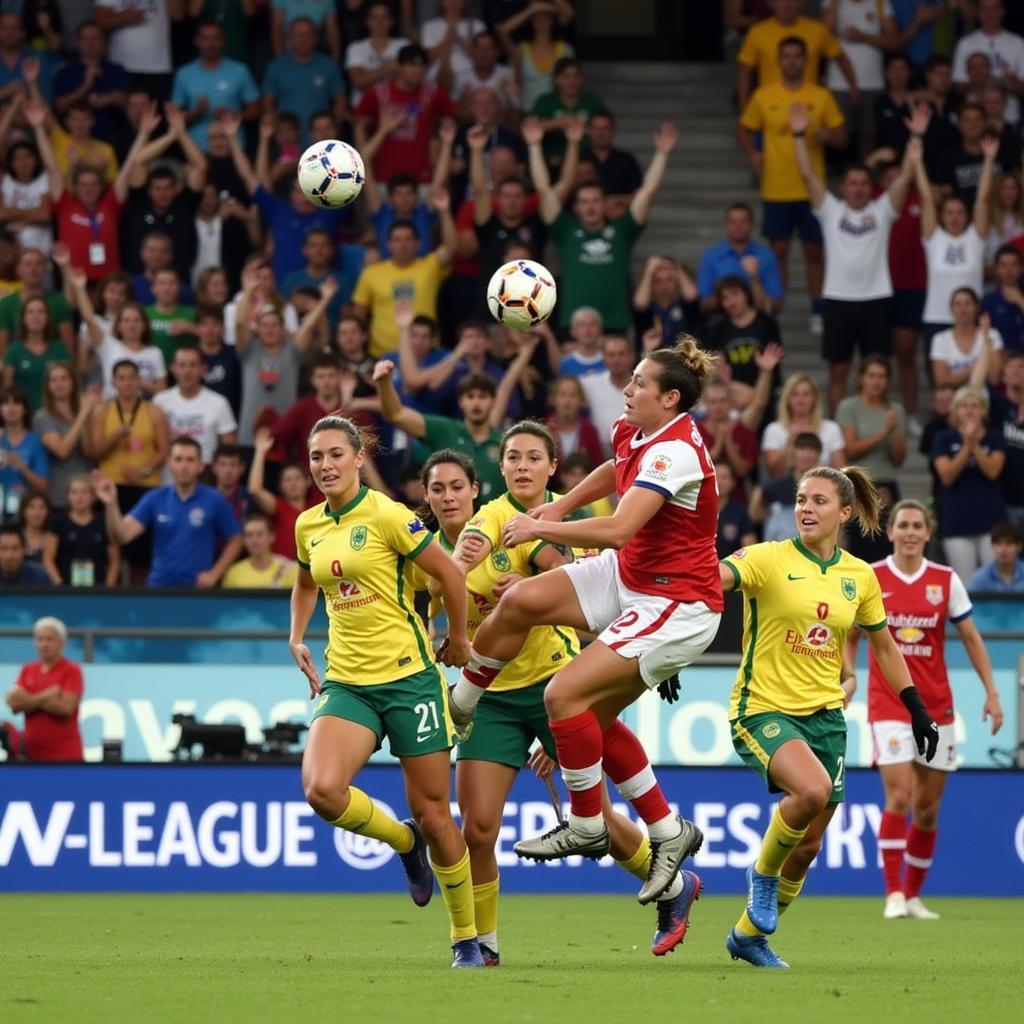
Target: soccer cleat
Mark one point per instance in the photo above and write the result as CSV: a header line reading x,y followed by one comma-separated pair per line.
x,y
674,916
491,956
915,908
417,869
666,856
895,906
564,841
466,953
754,949
763,900
462,720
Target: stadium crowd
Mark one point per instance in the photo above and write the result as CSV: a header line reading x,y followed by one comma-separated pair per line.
x,y
176,315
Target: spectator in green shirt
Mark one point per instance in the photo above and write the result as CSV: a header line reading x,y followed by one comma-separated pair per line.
x,y
565,101
36,348
483,405
31,270
171,322
593,251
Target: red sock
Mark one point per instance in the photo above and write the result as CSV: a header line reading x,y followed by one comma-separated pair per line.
x,y
892,842
920,850
628,766
578,742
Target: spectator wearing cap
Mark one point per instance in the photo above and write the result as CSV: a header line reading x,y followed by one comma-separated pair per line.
x,y
91,77
740,255
15,569
407,146
213,83
303,81
787,208
594,252
48,693
373,59
566,100
1005,51
189,522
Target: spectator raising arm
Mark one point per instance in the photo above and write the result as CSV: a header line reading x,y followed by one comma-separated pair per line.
x,y
391,408
441,201
312,320
390,118
574,129
262,443
507,385
121,529
231,122
483,205
35,114
195,160
415,377
147,125
980,217
929,215
799,121
550,204
665,139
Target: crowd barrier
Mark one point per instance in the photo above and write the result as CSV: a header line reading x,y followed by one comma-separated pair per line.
x,y
220,828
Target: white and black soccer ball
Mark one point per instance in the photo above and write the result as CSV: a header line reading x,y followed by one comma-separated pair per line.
x,y
521,294
331,174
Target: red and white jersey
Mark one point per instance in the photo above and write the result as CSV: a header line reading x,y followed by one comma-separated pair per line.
x,y
673,554
918,607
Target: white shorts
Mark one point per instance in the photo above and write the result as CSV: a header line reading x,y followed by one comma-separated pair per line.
x,y
662,634
894,744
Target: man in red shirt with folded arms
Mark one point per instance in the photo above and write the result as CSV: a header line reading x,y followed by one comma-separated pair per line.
x,y
48,693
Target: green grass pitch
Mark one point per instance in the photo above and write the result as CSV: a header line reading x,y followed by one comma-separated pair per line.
x,y
566,959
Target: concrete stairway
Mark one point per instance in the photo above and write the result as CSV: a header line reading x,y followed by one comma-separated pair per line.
x,y
706,173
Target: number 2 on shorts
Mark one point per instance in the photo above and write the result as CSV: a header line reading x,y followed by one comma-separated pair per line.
x,y
837,782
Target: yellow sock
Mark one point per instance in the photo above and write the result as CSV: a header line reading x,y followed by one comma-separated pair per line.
x,y
788,891
747,927
778,843
456,884
485,910
640,863
365,818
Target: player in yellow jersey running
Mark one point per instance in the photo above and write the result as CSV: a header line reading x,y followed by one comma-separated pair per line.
x,y
511,715
382,679
801,599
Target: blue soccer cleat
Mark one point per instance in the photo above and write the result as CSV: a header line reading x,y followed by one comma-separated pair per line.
x,y
491,956
466,953
763,901
417,869
674,915
754,949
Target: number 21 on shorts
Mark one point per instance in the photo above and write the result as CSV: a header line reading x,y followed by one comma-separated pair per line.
x,y
429,721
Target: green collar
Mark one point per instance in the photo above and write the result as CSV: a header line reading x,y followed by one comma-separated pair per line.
x,y
336,514
443,541
824,566
519,508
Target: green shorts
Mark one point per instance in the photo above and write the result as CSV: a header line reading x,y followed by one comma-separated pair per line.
x,y
505,726
412,712
757,737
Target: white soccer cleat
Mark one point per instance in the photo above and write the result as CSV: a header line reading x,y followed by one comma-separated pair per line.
x,y
895,906
915,908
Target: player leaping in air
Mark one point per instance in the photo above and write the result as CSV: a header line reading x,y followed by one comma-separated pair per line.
x,y
653,598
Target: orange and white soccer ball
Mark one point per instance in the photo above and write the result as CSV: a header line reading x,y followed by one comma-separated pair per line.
x,y
521,294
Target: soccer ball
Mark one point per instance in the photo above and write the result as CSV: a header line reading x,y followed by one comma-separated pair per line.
x,y
331,174
521,294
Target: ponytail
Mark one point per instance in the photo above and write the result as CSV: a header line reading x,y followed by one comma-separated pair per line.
x,y
686,368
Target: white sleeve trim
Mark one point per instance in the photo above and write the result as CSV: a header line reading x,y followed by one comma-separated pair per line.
x,y
670,466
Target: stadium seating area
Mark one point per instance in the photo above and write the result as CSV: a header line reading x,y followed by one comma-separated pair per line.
x,y
162,276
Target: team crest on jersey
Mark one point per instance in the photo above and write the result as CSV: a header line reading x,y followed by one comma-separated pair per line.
x,y
414,526
357,538
500,560
849,588
933,593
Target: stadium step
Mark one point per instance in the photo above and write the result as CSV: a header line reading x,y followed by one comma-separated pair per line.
x,y
706,173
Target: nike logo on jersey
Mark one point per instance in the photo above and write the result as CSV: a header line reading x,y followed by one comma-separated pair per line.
x,y
313,543
790,576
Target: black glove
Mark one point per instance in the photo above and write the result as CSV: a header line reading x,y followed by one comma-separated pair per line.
x,y
668,689
926,732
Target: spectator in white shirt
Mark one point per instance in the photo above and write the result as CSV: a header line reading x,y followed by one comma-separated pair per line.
x,y
1005,51
858,290
954,352
799,411
604,389
484,70
448,40
373,59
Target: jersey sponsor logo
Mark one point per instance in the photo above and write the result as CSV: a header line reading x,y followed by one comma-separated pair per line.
x,y
414,526
357,538
346,588
481,603
818,635
849,587
500,560
901,620
933,593
770,730
815,643
196,516
848,226
909,635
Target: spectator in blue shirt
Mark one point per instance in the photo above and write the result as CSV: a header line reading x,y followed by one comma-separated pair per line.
x,y
213,84
665,300
24,465
287,221
13,55
318,250
586,330
740,256
189,522
304,81
914,19
1005,305
15,571
91,77
1005,573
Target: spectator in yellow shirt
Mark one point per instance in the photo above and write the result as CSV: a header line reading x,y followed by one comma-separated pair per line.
x,y
761,46
262,569
787,205
404,277
77,146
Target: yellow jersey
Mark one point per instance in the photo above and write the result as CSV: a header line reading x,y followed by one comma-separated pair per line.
x,y
767,111
547,648
797,612
760,47
280,573
359,556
